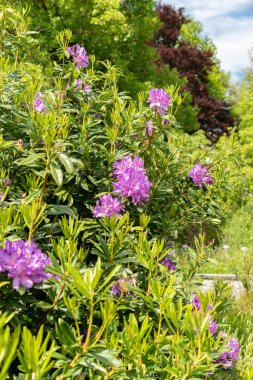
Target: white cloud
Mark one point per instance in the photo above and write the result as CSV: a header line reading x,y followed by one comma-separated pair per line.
x,y
233,47
229,24
209,8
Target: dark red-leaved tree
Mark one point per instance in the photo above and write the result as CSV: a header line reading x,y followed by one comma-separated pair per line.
x,y
193,64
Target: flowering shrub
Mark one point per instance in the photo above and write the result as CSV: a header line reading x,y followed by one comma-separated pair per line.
x,y
97,292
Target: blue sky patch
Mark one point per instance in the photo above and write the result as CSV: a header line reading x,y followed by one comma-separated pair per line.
x,y
229,23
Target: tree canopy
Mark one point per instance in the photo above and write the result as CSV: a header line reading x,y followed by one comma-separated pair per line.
x,y
194,58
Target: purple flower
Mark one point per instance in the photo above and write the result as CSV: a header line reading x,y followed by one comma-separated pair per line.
x,y
87,88
132,180
168,263
24,263
200,176
6,182
116,288
234,353
159,100
78,83
165,122
119,287
38,103
107,206
196,303
80,57
19,144
85,331
149,128
212,326
97,115
228,357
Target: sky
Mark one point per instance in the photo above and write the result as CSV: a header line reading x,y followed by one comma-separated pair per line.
x,y
229,23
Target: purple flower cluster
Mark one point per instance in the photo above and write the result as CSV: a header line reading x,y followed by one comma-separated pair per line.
x,y
197,306
132,180
196,303
119,287
149,128
213,326
200,176
80,57
78,83
38,104
107,206
159,100
168,263
81,86
24,263
228,357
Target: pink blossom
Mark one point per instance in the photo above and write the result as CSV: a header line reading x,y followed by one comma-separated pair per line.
x,y
78,83
107,206
80,57
159,100
39,105
149,128
119,287
200,176
24,263
132,180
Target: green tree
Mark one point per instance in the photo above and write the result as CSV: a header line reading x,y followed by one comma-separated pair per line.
x,y
244,109
180,45
112,30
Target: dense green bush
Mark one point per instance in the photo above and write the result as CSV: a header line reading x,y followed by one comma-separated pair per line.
x,y
117,304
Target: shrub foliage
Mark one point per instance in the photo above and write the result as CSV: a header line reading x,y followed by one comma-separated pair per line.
x,y
118,301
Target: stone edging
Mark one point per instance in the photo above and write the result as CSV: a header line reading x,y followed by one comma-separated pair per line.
x,y
214,276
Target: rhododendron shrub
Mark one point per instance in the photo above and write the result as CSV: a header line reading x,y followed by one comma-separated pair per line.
x,y
91,204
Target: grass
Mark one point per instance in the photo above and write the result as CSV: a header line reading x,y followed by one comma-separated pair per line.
x,y
236,252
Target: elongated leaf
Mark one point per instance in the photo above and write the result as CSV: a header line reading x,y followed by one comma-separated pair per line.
x,y
67,332
78,281
31,160
60,210
56,172
65,160
106,357
8,350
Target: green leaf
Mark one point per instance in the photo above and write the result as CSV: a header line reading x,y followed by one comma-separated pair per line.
x,y
60,210
65,160
67,332
106,357
56,172
31,160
